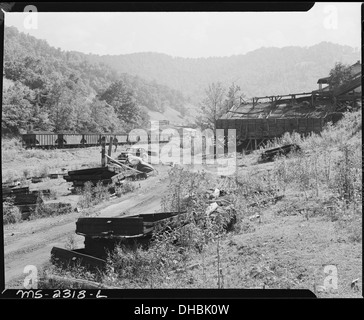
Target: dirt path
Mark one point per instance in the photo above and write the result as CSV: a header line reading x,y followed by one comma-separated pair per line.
x,y
30,243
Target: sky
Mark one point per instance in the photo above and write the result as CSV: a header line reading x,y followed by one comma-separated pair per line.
x,y
193,34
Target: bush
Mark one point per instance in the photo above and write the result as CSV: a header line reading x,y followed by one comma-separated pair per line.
x,y
92,195
26,173
126,187
50,210
183,188
11,213
44,172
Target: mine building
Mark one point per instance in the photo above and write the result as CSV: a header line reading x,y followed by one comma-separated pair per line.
x,y
264,118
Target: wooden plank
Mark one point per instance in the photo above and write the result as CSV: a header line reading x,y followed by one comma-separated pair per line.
x,y
118,177
27,207
44,192
56,175
97,170
110,226
122,165
91,177
154,217
11,191
99,247
110,148
81,183
76,257
26,198
103,146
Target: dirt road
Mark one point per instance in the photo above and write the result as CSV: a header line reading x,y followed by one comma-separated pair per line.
x,y
30,243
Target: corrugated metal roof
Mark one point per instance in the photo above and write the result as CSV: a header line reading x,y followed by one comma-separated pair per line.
x,y
283,110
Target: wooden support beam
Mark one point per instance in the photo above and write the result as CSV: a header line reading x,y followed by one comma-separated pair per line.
x,y
110,148
121,164
103,151
247,147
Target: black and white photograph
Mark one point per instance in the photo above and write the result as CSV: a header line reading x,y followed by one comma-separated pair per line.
x,y
182,149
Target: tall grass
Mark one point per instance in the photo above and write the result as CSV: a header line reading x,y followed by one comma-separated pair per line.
x,y
330,169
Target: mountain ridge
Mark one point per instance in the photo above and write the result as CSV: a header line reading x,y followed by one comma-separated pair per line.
x,y
192,75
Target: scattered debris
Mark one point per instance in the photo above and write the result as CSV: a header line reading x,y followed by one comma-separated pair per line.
x,y
270,154
105,175
193,266
255,216
37,179
215,194
56,175
264,202
211,208
103,234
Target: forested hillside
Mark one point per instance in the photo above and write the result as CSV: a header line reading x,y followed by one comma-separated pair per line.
x,y
48,89
266,71
51,90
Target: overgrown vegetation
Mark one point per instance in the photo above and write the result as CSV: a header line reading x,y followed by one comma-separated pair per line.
x,y
51,90
11,213
329,171
91,195
325,179
125,187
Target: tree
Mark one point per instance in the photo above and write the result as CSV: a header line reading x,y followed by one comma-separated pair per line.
x,y
339,75
103,118
233,97
124,103
64,97
39,119
213,106
16,108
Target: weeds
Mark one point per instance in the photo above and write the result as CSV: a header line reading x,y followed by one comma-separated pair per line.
x,y
50,210
126,187
43,172
91,195
71,242
26,173
328,176
11,213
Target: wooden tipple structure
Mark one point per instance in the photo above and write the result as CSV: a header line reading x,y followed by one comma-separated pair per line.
x,y
264,118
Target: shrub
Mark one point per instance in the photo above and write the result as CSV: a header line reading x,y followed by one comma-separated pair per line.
x,y
92,195
26,173
44,172
51,209
86,199
126,187
100,193
11,213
